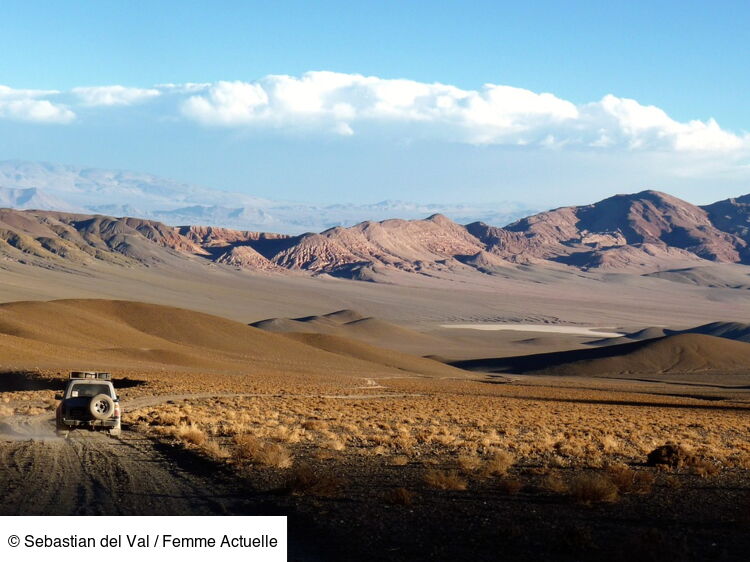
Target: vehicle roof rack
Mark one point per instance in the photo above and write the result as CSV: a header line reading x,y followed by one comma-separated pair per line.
x,y
95,375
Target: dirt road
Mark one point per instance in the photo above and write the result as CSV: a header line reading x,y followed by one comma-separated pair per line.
x,y
93,474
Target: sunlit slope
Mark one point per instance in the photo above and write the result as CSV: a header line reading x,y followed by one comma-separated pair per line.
x,y
112,334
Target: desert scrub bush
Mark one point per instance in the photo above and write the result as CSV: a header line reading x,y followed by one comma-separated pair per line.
x,y
275,456
315,425
591,488
214,450
469,463
252,449
704,468
399,496
444,480
399,460
191,434
304,480
629,481
334,445
555,484
498,465
246,447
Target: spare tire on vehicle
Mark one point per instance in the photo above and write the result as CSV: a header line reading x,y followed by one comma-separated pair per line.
x,y
101,407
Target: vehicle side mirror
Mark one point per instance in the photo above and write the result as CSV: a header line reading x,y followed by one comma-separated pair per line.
x,y
58,396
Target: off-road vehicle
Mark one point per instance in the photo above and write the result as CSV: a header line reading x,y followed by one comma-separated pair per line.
x,y
88,401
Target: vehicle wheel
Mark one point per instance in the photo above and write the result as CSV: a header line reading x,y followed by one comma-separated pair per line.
x,y
101,407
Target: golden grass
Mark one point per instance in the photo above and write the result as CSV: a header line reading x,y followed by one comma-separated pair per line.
x,y
498,465
465,435
191,434
469,463
555,484
591,488
444,480
399,460
629,481
251,449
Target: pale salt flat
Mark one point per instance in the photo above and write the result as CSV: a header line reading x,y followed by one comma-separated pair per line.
x,y
551,328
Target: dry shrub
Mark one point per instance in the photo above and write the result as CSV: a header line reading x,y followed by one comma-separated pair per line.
x,y
214,450
469,463
169,418
191,434
629,481
555,484
399,496
593,488
305,481
275,456
399,460
314,425
444,480
704,468
510,486
334,445
246,447
249,448
498,465
285,434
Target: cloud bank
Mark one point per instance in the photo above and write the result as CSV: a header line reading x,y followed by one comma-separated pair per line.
x,y
32,105
331,103
113,95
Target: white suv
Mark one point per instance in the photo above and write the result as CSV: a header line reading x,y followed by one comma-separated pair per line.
x,y
88,401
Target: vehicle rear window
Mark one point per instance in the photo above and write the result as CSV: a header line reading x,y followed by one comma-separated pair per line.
x,y
89,390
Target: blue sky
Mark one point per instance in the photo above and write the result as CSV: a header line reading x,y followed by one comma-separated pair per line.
x,y
364,137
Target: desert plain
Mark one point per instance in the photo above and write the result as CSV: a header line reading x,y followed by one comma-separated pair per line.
x,y
520,411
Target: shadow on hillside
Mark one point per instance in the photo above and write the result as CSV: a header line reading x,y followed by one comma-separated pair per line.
x,y
17,381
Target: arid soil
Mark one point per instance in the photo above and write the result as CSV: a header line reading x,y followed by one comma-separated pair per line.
x,y
355,486
376,454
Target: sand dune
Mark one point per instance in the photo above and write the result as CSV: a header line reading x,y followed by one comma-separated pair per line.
x,y
682,353
122,334
351,324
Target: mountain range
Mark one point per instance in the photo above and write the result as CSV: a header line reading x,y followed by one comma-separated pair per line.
x,y
645,233
54,187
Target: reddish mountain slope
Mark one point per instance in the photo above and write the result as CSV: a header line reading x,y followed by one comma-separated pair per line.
x,y
643,232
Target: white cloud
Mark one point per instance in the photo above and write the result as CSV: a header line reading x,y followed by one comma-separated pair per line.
x,y
494,114
31,105
113,95
333,103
